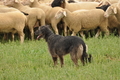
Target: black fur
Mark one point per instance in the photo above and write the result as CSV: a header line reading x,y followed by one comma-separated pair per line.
x,y
103,7
60,45
57,3
24,13
71,1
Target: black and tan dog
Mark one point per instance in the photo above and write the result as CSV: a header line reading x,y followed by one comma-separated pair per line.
x,y
59,46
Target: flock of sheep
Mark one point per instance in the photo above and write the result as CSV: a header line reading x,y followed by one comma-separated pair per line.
x,y
78,17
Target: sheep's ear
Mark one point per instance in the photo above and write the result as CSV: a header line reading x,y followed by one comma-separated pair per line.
x,y
100,3
58,14
115,10
31,0
64,13
17,1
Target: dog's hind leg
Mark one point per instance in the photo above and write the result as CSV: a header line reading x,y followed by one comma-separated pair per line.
x,y
74,58
54,60
61,60
80,54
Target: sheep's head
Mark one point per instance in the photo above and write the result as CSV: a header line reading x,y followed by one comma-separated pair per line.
x,y
104,2
60,14
110,11
10,3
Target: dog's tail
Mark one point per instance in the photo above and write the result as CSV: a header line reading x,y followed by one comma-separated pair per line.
x,y
86,57
82,54
89,58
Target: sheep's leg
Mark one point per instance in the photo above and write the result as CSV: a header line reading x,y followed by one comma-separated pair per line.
x,y
61,60
98,33
54,26
55,29
32,23
42,21
65,29
13,36
5,37
81,33
21,34
32,33
106,31
73,33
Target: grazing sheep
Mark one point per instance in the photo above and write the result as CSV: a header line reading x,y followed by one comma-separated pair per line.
x,y
77,6
84,20
36,16
114,9
13,22
59,46
49,12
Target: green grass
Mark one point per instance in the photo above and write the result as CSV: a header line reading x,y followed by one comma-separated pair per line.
x,y
32,61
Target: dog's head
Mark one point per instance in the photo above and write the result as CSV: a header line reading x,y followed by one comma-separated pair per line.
x,y
43,31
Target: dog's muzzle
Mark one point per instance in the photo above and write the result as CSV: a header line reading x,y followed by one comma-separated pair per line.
x,y
39,36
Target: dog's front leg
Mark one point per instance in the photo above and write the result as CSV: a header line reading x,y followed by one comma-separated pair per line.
x,y
61,60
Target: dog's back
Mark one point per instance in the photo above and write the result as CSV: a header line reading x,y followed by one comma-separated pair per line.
x,y
65,44
60,45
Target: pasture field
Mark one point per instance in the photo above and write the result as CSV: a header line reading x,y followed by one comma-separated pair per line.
x,y
32,61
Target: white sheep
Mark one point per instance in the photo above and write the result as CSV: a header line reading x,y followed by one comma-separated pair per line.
x,y
35,15
84,20
77,6
13,22
4,9
106,2
49,12
113,24
114,9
